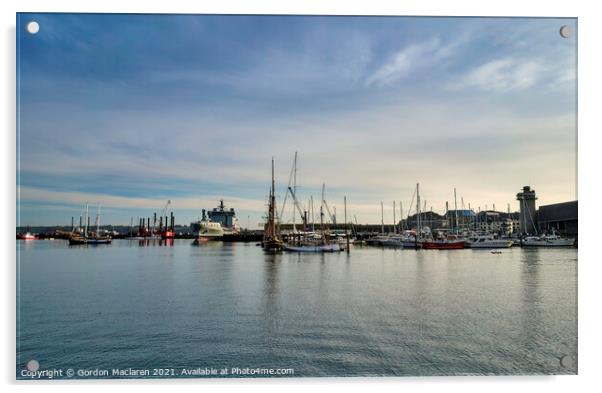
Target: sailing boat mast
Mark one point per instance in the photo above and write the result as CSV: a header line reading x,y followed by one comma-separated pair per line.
x,y
418,208
86,222
382,218
394,223
456,209
346,223
313,222
322,215
294,190
98,219
401,215
271,230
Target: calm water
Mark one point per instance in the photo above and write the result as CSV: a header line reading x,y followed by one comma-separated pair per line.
x,y
373,312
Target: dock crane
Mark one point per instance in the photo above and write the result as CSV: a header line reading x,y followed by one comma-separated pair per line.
x,y
301,212
333,217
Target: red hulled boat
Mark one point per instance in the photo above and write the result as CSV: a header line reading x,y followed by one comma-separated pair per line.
x,y
449,243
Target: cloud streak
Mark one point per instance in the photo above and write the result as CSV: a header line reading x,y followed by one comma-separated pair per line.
x,y
501,75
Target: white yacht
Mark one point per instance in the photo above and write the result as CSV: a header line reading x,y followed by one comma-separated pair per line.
x,y
487,241
552,240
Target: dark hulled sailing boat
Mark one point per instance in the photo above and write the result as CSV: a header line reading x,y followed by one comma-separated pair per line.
x,y
271,237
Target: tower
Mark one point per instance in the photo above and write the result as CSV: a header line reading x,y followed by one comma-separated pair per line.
x,y
527,199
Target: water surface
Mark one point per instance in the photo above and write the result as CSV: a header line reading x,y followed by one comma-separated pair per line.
x,y
223,305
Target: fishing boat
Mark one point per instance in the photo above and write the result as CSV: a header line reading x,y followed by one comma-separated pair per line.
x,y
487,241
552,240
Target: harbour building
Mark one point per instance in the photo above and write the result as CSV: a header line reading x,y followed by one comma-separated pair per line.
x,y
559,217
460,219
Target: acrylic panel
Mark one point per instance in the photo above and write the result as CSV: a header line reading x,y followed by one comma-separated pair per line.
x,y
282,196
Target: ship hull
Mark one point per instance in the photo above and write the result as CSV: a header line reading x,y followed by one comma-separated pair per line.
x,y
272,245
443,245
334,247
555,243
89,241
491,244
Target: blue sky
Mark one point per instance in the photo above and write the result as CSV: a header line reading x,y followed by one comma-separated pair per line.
x,y
131,110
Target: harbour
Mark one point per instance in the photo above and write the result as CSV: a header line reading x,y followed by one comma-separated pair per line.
x,y
372,312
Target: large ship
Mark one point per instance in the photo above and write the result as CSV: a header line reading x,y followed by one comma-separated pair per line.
x,y
216,223
205,229
225,217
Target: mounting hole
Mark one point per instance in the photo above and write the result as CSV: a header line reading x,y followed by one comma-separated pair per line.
x,y
565,31
33,27
567,361
33,365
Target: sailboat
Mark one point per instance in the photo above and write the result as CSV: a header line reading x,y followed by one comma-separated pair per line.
x,y
320,243
271,237
89,238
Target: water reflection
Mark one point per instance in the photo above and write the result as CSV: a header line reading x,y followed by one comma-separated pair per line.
x,y
272,262
149,242
530,299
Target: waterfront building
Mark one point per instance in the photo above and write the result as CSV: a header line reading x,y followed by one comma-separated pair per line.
x,y
465,218
560,217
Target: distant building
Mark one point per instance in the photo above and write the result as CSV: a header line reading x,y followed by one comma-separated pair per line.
x,y
427,219
498,222
528,218
560,217
465,218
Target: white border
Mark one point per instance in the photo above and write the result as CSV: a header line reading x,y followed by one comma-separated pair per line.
x,y
589,184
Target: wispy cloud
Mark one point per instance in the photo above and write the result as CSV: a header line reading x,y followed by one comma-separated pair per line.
x,y
500,75
407,60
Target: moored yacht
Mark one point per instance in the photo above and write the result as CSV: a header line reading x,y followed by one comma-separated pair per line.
x,y
487,241
552,240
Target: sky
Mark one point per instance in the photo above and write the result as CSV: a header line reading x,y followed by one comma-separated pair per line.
x,y
130,111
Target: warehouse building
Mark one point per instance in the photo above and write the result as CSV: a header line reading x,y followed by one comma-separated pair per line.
x,y
560,217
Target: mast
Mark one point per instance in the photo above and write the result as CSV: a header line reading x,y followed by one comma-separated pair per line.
x,y
313,222
322,215
394,223
431,219
98,219
271,230
294,189
382,218
456,210
418,208
87,221
401,215
346,223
